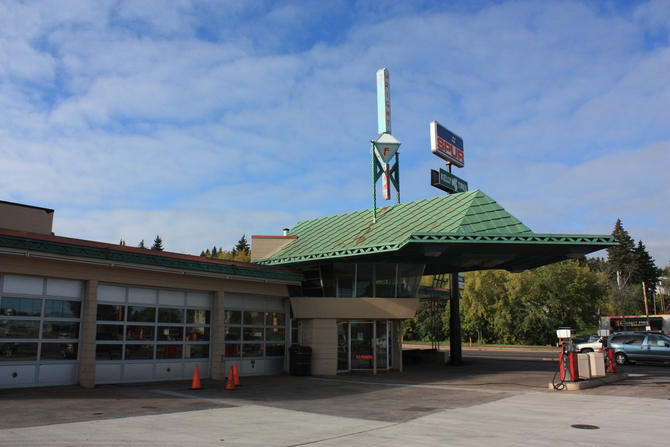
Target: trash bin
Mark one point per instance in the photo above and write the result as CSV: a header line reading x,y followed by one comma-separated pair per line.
x,y
300,360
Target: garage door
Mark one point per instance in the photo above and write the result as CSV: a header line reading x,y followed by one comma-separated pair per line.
x,y
40,324
145,334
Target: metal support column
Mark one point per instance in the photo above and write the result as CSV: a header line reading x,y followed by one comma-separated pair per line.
x,y
455,348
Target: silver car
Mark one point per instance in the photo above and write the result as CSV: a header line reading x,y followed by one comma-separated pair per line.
x,y
631,348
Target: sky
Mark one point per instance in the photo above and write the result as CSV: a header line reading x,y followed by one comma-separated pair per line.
x,y
203,121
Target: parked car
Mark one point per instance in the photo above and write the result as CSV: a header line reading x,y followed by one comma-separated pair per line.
x,y
594,344
634,347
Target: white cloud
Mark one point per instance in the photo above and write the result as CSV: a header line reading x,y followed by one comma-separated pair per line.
x,y
231,118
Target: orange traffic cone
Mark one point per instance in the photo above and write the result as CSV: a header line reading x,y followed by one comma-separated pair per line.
x,y
230,383
236,375
195,384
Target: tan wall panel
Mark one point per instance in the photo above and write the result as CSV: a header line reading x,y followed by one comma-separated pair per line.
x,y
355,308
265,246
321,336
26,218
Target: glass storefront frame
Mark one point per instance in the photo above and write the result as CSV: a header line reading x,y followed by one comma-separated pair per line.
x,y
360,342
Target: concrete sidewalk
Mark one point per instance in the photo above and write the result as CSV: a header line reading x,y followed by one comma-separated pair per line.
x,y
487,401
531,419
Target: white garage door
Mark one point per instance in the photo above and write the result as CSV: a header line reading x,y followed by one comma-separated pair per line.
x,y
148,334
40,324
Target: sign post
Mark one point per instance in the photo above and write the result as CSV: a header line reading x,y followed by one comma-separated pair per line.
x,y
385,146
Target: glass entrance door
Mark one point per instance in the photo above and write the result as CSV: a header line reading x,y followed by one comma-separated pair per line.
x,y
361,344
356,345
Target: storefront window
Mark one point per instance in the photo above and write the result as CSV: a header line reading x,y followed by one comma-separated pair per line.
x,y
19,328
233,317
254,317
139,352
145,314
21,307
170,315
60,329
18,352
109,312
254,330
62,309
378,280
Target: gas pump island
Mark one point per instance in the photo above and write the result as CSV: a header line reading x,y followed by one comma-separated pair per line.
x,y
576,367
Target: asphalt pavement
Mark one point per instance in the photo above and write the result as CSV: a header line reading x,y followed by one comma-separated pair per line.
x,y
496,399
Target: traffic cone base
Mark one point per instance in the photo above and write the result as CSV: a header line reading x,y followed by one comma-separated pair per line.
x,y
195,383
230,383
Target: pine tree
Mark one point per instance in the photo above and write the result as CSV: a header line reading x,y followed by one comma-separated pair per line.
x,y
622,257
141,244
122,242
158,244
242,247
215,253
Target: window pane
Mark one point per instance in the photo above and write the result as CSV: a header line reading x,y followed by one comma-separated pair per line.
x,y
385,278
145,314
109,332
109,312
344,279
274,350
252,350
19,329
410,278
197,316
59,351
233,333
169,351
252,334
170,315
232,350
18,352
62,309
364,275
139,352
254,317
144,333
196,351
197,334
170,333
25,307
108,352
276,319
60,329
275,334
233,317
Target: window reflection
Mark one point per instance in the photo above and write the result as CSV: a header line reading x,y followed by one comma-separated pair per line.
x,y
18,352
169,351
19,329
62,309
60,329
22,307
144,314
170,315
108,312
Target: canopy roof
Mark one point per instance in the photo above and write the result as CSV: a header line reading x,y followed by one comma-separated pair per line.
x,y
450,233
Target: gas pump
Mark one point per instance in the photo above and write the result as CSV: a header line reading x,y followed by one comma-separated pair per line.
x,y
567,358
610,362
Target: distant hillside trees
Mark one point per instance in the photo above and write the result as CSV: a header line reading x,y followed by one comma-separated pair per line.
x,y
241,252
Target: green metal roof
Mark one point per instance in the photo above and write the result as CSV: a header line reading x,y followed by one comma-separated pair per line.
x,y
458,232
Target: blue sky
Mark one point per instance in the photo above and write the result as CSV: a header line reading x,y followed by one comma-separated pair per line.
x,y
203,121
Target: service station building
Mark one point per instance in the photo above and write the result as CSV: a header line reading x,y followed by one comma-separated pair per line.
x,y
81,312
